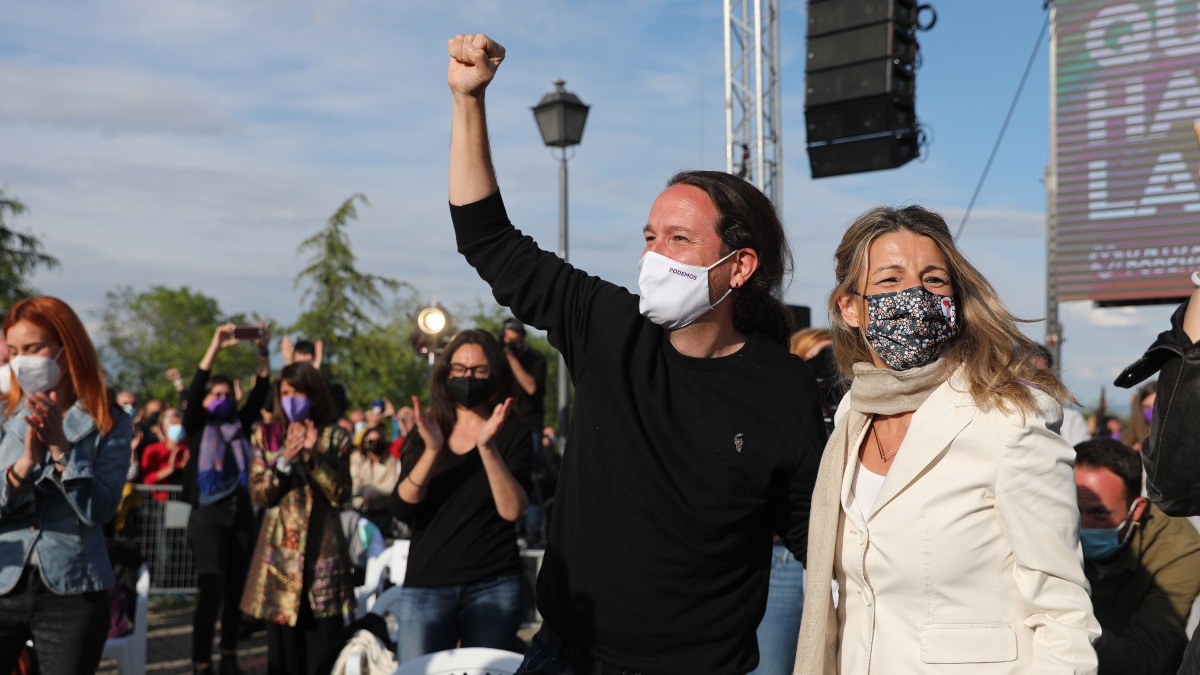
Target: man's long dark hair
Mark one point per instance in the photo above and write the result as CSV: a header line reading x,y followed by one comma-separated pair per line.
x,y
748,220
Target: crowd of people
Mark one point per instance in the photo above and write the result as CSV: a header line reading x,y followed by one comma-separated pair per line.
x,y
910,490
271,474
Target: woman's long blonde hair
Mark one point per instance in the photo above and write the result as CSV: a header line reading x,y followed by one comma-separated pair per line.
x,y
996,357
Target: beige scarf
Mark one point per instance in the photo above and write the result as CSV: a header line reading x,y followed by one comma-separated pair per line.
x,y
875,391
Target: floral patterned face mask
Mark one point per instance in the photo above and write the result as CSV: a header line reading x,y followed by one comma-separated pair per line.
x,y
908,328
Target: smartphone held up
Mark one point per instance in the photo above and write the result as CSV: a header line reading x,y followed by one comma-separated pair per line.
x,y
247,332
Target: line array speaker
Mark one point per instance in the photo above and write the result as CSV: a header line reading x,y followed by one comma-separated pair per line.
x,y
860,85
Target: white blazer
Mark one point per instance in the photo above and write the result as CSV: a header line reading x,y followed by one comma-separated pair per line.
x,y
969,559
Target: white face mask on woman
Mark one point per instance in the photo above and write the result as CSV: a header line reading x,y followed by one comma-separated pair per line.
x,y
36,374
674,294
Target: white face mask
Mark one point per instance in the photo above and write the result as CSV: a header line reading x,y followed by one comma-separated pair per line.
x,y
5,379
674,294
36,374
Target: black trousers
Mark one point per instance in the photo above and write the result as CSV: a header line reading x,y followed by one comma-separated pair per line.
x,y
221,537
68,631
309,648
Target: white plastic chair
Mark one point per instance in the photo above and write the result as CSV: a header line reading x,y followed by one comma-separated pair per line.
x,y
399,563
376,567
393,562
129,651
467,661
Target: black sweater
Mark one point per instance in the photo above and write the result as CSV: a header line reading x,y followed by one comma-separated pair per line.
x,y
677,470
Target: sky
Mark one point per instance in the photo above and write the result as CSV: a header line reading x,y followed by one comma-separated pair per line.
x,y
196,143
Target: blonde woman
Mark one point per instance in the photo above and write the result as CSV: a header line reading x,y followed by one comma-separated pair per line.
x,y
808,342
945,506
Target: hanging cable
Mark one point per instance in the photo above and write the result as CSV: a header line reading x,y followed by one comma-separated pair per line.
x,y
1004,127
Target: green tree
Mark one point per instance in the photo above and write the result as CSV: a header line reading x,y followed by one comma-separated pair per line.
x,y
381,361
145,333
363,320
338,299
20,255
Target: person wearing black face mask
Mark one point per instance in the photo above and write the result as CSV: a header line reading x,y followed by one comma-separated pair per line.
x,y
464,481
373,472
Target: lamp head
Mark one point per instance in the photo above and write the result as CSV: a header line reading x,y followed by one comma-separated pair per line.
x,y
560,117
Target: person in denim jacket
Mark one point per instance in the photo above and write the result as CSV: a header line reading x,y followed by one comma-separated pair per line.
x,y
64,452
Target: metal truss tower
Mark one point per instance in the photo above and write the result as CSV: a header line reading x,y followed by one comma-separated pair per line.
x,y
753,149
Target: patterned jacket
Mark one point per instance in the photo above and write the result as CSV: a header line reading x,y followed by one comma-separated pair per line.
x,y
279,572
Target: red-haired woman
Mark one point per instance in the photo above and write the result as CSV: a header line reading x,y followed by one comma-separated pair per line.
x,y
64,451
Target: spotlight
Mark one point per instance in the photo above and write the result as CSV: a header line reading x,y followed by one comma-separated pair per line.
x,y
433,320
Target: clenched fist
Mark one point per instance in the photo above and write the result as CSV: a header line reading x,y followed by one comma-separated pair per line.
x,y
473,63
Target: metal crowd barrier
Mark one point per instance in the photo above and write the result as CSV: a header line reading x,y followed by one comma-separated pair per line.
x,y
158,527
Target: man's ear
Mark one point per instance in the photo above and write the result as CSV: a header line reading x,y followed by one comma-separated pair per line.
x,y
1140,506
745,264
850,305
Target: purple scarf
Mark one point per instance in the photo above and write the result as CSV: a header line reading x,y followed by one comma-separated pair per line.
x,y
211,469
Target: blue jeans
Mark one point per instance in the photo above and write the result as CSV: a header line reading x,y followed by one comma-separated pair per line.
x,y
544,659
780,625
484,614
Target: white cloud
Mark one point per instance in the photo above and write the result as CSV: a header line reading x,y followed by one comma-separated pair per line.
x,y
197,143
1107,317
108,101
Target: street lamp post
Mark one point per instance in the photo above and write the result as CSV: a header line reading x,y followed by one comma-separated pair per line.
x,y
560,118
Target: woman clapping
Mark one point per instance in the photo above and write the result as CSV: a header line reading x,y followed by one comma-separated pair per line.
x,y
64,453
301,578
464,480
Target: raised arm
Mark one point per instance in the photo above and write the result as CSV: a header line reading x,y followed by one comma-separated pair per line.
x,y
1170,452
250,411
414,479
1191,316
473,63
530,383
222,339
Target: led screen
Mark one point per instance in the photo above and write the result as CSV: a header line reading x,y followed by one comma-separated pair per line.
x,y
1126,96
